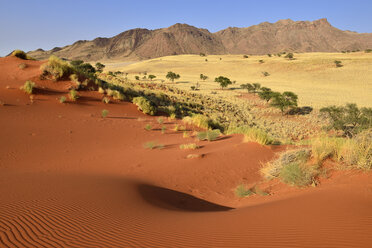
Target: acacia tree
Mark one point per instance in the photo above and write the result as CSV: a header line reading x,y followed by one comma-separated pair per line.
x,y
223,81
349,119
203,77
100,66
265,94
284,101
172,76
151,77
248,87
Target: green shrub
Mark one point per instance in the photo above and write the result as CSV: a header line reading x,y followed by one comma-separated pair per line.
x,y
338,63
223,81
106,100
73,94
297,174
241,191
245,56
198,120
62,99
57,68
209,135
261,61
172,76
28,87
163,128
145,105
20,54
289,56
160,120
265,74
284,101
104,113
152,145
148,127
252,134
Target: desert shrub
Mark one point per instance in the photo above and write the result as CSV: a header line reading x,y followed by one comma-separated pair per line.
x,y
20,54
148,127
265,74
62,99
245,56
242,191
82,68
349,118
248,87
28,87
269,54
172,76
298,174
198,120
106,100
251,134
160,120
104,113
163,128
146,106
273,168
368,51
202,54
223,81
117,95
75,78
289,56
101,90
338,63
100,67
190,146
203,77
151,77
73,94
22,66
261,61
152,145
284,101
209,135
324,147
56,68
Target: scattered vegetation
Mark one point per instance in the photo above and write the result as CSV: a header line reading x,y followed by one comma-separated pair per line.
x,y
28,87
153,145
203,77
62,99
104,113
252,134
106,100
148,127
146,106
160,120
73,94
265,74
100,67
242,191
21,54
338,63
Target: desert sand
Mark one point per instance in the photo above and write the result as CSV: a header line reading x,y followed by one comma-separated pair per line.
x,y
69,178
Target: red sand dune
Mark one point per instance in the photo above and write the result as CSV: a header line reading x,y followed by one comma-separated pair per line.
x,y
69,178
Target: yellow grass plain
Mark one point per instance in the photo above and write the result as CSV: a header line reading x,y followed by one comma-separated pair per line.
x,y
313,76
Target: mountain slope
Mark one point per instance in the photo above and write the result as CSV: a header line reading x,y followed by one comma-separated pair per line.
x,y
284,35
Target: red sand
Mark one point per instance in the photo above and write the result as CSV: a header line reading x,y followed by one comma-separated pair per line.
x,y
69,178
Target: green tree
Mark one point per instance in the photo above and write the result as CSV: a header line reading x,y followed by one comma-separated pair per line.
x,y
349,119
265,94
203,77
172,76
284,101
137,77
248,87
100,67
223,81
151,77
256,87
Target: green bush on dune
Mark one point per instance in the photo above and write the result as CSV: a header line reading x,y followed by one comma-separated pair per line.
x,y
145,105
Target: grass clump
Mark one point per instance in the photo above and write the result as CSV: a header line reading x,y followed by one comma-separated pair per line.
x,y
22,66
106,100
56,68
297,174
160,120
148,127
252,134
104,113
198,120
62,99
209,135
242,191
28,87
73,94
146,106
163,128
153,145
190,146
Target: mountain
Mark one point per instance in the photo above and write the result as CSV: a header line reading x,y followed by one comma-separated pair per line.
x,y
284,35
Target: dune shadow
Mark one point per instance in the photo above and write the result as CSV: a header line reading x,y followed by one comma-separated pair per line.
x,y
177,201
122,117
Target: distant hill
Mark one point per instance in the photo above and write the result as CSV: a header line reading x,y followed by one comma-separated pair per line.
x,y
284,35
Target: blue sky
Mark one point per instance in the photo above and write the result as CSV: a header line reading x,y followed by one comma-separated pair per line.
x,y
32,24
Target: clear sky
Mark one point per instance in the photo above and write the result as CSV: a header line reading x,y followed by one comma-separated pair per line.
x,y
32,24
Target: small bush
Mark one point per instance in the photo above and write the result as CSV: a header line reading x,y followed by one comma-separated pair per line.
x,y
257,135
297,174
106,100
57,68
163,128
261,61
73,94
160,120
104,113
145,105
245,56
20,54
265,74
209,135
191,146
198,120
148,127
338,63
185,134
289,56
62,99
28,87
101,90
241,191
22,66
152,145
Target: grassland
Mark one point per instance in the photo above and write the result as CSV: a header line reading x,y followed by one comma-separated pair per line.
x,y
313,76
